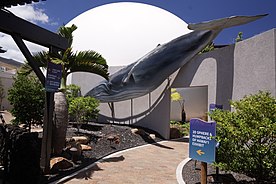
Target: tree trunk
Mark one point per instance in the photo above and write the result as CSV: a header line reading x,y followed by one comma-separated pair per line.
x,y
60,122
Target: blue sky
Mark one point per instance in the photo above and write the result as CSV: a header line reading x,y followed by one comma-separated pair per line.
x,y
191,11
51,14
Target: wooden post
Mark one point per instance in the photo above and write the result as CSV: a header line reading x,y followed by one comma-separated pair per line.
x,y
203,173
46,148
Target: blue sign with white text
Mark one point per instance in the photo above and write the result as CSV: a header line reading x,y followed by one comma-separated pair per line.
x,y
202,143
215,106
53,77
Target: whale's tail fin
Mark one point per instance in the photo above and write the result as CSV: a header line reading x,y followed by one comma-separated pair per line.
x,y
220,24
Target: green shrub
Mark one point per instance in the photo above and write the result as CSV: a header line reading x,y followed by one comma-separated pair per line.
x,y
27,96
184,128
72,91
247,136
84,109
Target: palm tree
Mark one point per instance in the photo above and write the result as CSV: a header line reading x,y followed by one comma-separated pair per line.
x,y
83,61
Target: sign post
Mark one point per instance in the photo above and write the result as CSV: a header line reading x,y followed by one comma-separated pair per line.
x,y
202,144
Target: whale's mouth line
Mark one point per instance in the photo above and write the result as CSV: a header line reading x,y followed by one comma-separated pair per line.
x,y
121,96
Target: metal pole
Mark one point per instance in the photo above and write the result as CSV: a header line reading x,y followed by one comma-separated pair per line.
x,y
131,110
111,106
149,100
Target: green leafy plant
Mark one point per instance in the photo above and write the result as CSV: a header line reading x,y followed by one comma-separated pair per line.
x,y
72,91
239,37
27,96
183,128
208,48
84,109
247,136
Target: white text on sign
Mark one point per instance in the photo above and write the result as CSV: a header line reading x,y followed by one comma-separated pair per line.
x,y
200,138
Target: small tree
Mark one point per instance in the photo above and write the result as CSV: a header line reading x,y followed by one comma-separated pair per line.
x,y
84,109
72,91
247,137
176,97
28,98
79,61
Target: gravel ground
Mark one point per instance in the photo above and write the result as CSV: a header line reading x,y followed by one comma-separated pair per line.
x,y
98,134
191,175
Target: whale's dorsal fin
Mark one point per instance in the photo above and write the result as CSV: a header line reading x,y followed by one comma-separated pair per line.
x,y
220,24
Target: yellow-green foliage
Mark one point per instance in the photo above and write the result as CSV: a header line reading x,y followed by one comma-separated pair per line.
x,y
175,95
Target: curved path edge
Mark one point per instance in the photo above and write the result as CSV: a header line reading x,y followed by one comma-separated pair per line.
x,y
66,178
179,170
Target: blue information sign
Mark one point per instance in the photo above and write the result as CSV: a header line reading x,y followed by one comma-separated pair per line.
x,y
202,144
215,106
53,77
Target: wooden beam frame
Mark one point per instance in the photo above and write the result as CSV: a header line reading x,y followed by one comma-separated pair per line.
x,y
13,25
21,29
23,48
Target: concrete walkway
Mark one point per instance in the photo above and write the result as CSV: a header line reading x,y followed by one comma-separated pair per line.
x,y
155,164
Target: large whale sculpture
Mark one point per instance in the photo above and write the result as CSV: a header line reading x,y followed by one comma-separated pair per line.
x,y
146,74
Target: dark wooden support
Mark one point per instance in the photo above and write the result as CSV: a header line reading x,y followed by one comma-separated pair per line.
x,y
13,25
203,173
19,42
46,147
20,30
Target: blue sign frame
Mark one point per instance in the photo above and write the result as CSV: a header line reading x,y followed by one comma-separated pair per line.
x,y
202,143
53,77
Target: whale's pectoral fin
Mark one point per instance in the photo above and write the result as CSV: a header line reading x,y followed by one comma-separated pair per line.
x,y
128,79
220,24
129,76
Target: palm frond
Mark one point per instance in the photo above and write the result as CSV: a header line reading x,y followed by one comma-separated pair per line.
x,y
25,69
88,61
41,58
67,32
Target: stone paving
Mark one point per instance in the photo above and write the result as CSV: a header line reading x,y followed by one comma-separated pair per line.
x,y
154,164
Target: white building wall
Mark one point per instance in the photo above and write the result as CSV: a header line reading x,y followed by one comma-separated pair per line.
x,y
7,82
